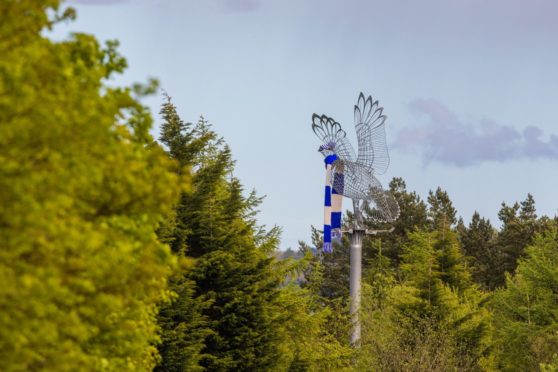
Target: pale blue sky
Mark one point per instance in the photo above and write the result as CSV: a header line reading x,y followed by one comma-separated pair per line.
x,y
469,88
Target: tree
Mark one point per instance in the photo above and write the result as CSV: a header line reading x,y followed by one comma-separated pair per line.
x,y
83,189
432,320
235,308
478,242
441,213
519,227
327,277
525,310
310,345
453,267
413,214
183,328
412,217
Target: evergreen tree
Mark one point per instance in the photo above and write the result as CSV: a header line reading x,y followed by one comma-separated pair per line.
x,y
412,217
83,189
478,242
441,213
233,310
183,327
453,268
413,214
327,277
519,227
432,320
334,268
310,345
526,316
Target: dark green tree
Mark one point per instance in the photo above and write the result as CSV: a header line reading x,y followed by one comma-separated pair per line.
x,y
414,216
235,308
478,244
221,318
183,326
519,225
441,213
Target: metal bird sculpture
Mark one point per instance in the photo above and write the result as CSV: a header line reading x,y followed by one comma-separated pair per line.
x,y
354,175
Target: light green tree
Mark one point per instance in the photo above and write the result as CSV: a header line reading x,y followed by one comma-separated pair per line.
x,y
431,320
83,190
525,312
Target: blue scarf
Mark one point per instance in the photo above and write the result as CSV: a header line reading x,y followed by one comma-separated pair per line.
x,y
332,204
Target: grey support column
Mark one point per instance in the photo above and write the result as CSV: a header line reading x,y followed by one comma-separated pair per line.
x,y
355,278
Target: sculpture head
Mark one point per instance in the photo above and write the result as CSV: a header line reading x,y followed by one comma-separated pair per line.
x,y
327,149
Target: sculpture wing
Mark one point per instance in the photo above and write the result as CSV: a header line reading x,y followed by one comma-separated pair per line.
x,y
330,131
371,134
382,206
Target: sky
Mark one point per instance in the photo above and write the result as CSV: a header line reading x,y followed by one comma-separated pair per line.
x,y
469,88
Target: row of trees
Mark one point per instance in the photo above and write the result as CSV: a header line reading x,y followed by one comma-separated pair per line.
x,y
442,295
123,253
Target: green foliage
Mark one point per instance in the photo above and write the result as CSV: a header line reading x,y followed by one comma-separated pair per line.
x,y
550,367
412,217
82,190
526,316
327,277
520,225
430,321
334,268
441,214
309,345
478,243
233,309
183,328
91,205
453,269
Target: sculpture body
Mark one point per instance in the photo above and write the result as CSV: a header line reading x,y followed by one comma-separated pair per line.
x,y
359,171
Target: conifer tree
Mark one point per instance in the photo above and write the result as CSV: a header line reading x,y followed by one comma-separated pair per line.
x,y
233,310
183,327
432,320
412,217
441,213
519,227
327,277
478,243
525,310
453,268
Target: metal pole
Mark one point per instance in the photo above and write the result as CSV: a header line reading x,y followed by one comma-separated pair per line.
x,y
355,277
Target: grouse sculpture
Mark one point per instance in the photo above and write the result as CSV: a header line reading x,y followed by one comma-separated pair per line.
x,y
354,175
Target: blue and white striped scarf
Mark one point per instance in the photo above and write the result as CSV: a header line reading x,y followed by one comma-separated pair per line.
x,y
332,204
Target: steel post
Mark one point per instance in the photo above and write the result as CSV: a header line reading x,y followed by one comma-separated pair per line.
x,y
355,279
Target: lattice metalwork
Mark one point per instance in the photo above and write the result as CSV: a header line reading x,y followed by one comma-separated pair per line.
x,y
358,180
